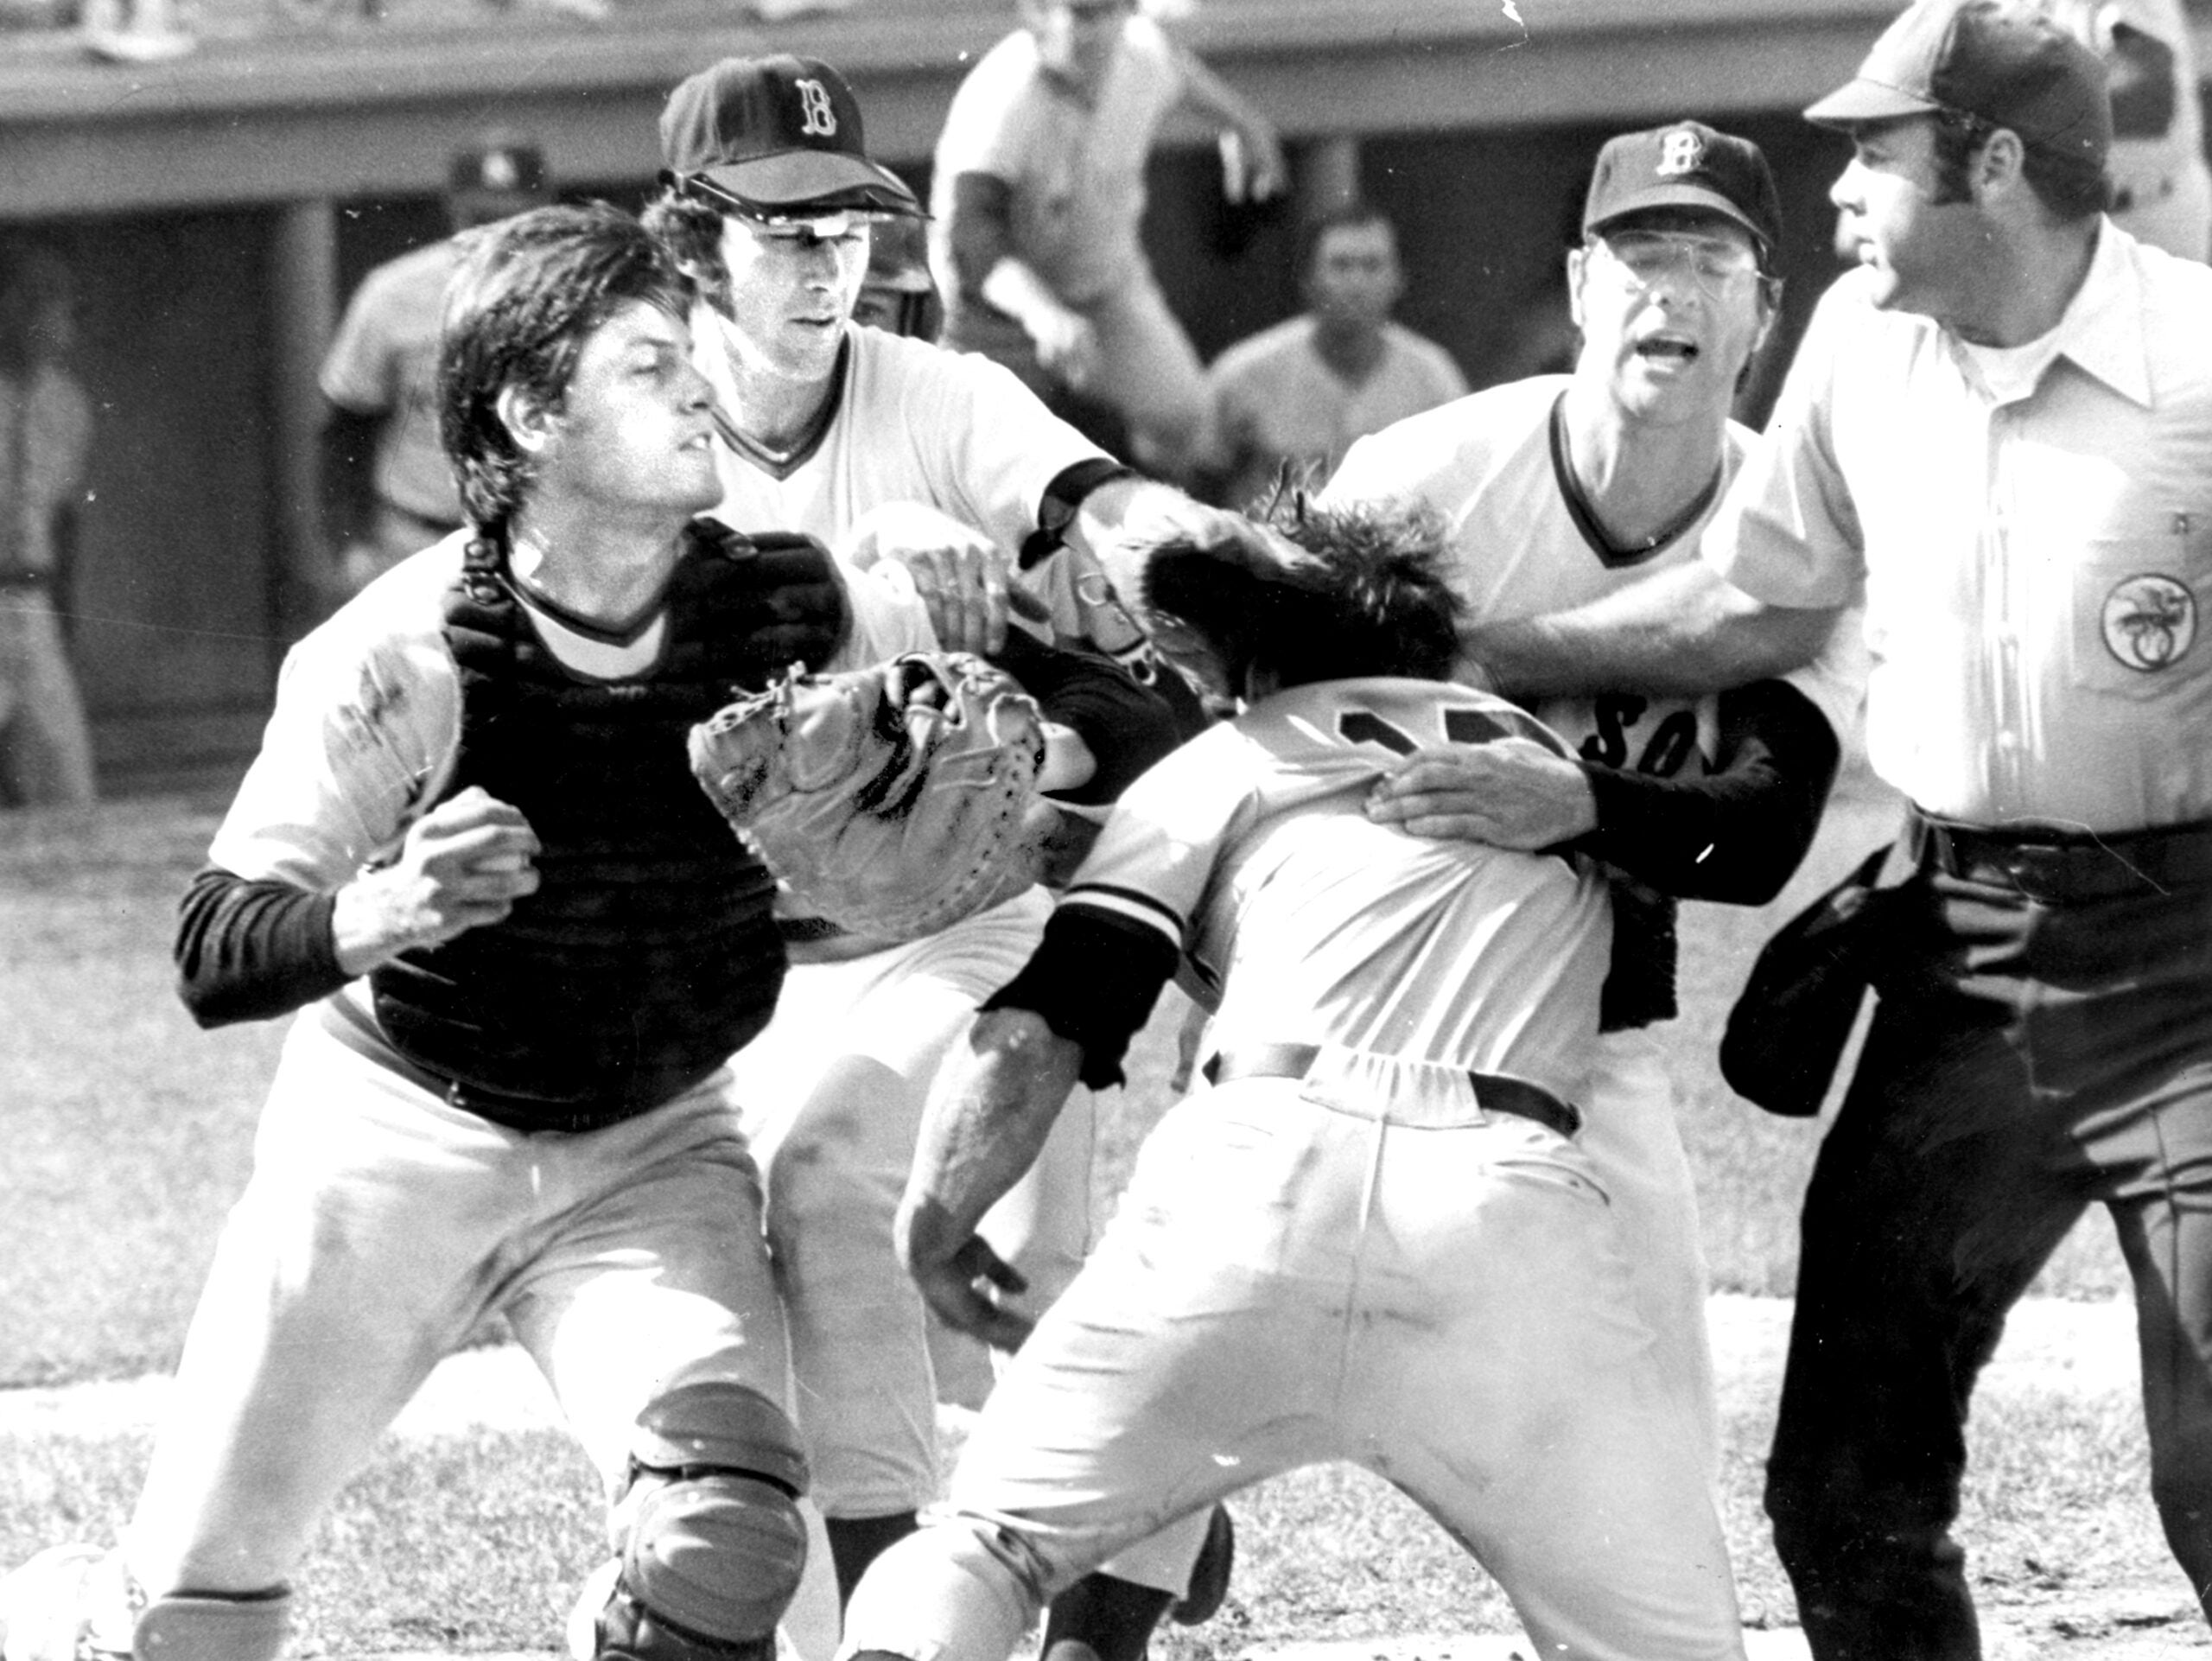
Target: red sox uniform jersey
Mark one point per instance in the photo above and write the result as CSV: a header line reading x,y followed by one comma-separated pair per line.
x,y
834,1089
1523,544
1362,1262
913,423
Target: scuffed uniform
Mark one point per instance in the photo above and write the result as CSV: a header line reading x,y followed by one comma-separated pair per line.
x,y
1522,545
1361,1263
392,1206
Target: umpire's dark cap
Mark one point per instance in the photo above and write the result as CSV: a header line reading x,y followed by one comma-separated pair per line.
x,y
1999,60
776,137
1685,164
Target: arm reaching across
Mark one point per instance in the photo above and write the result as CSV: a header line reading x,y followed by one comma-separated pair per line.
x,y
1683,630
995,1103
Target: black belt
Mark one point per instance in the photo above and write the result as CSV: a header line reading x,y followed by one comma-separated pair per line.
x,y
530,1116
2054,865
1494,1093
23,577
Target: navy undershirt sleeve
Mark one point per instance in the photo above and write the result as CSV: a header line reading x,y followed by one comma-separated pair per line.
x,y
1734,835
1127,725
1094,978
249,951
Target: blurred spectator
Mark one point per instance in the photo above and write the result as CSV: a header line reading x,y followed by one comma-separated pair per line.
x,y
387,487
1299,392
46,428
136,31
2162,190
897,295
1039,190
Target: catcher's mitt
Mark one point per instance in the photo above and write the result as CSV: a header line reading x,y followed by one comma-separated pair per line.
x,y
893,800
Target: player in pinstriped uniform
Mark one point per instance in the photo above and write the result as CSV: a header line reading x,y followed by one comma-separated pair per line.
x,y
1375,1238
887,449
1562,487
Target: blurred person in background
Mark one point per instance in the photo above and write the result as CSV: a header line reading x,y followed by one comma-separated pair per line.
x,y
2161,188
46,431
1038,195
387,489
1302,392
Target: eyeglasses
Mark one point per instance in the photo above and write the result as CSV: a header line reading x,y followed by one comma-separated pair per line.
x,y
1646,257
817,224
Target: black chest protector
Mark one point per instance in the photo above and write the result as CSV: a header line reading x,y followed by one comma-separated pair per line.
x,y
647,955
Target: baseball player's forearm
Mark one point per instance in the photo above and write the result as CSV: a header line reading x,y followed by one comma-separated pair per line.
x,y
1682,632
993,1106
988,1119
248,950
1737,834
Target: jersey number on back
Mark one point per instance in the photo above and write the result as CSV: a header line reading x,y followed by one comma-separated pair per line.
x,y
1460,726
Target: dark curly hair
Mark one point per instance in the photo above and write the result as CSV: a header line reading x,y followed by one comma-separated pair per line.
x,y
1370,596
528,294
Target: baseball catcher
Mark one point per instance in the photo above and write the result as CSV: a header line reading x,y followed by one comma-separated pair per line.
x,y
893,800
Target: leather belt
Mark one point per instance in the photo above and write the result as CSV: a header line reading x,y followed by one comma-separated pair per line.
x,y
531,1116
2054,865
23,576
1494,1093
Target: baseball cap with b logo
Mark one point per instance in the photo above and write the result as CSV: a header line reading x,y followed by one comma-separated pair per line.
x,y
1685,164
1999,60
776,137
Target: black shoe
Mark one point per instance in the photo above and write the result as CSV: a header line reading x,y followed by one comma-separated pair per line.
x,y
1209,1588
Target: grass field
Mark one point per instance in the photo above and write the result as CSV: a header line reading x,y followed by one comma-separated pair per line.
x,y
129,1131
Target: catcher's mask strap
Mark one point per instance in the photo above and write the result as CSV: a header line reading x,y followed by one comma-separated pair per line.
x,y
1063,497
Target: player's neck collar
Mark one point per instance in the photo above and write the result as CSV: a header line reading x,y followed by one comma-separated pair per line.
x,y
781,463
1583,512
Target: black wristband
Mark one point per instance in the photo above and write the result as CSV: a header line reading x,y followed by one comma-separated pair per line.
x,y
1063,497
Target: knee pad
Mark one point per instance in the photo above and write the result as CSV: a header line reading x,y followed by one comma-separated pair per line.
x,y
711,1543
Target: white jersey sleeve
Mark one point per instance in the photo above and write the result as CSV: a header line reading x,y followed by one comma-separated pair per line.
x,y
362,738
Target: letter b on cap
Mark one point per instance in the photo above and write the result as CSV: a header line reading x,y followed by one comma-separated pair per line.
x,y
820,115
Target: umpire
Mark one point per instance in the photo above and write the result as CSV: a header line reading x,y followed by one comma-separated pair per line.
x,y
2001,425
